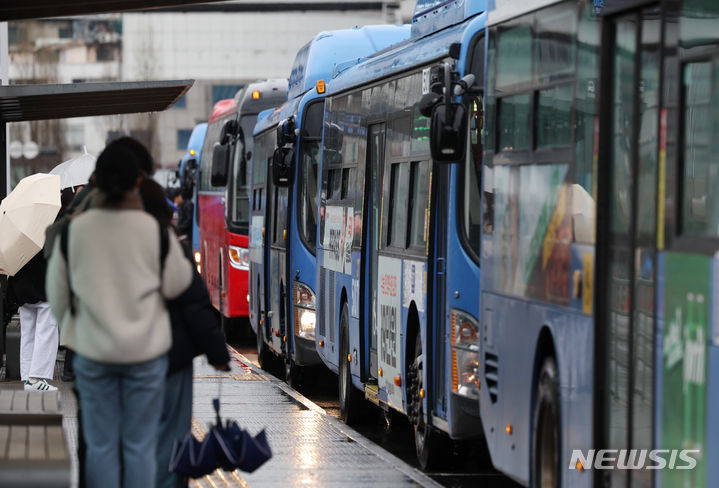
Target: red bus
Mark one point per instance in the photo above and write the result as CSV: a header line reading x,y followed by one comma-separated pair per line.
x,y
223,211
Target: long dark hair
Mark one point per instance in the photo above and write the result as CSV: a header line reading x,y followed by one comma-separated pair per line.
x,y
116,172
154,201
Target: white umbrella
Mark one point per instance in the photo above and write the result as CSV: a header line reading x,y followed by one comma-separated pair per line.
x,y
75,172
24,214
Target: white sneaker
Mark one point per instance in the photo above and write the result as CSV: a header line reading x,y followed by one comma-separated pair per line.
x,y
39,385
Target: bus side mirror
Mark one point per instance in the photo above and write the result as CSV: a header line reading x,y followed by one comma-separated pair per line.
x,y
230,129
220,164
282,166
448,132
188,176
286,132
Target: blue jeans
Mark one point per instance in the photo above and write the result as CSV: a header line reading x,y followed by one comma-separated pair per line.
x,y
175,424
121,406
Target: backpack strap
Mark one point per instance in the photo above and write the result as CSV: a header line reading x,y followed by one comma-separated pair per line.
x,y
64,236
164,247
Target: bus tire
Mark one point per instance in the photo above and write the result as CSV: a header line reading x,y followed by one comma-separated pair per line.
x,y
426,440
293,373
349,396
545,428
262,351
226,325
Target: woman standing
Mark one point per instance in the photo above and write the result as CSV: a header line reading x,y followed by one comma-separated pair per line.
x,y
109,294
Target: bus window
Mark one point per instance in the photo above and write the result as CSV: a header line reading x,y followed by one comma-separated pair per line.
x,y
471,204
240,199
554,116
345,183
397,225
212,137
514,122
554,43
514,55
398,136
307,200
700,206
419,184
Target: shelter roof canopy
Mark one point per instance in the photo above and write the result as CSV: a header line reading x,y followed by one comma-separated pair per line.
x,y
59,101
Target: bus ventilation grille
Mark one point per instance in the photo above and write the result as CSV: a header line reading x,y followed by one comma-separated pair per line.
x,y
491,375
321,305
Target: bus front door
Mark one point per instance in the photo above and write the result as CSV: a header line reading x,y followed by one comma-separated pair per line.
x,y
373,224
627,185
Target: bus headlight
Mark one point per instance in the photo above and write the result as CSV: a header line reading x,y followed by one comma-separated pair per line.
x,y
465,354
307,324
198,257
239,257
305,317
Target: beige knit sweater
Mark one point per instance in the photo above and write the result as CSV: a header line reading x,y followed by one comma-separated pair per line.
x,y
120,314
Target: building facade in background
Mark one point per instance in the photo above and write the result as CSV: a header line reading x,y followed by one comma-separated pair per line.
x,y
221,46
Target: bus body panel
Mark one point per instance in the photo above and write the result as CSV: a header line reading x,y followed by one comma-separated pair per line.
x,y
513,328
462,289
236,281
212,242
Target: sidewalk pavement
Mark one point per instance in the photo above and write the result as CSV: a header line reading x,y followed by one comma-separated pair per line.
x,y
309,447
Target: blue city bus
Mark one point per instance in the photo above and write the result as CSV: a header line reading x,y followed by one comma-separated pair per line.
x,y
398,257
284,198
188,177
598,240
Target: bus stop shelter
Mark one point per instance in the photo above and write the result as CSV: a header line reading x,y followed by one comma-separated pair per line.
x,y
36,9
40,102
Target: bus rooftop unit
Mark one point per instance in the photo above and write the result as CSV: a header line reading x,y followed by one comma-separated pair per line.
x,y
224,201
398,265
285,198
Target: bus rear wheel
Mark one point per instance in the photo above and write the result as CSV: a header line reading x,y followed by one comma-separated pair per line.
x,y
261,349
545,447
349,396
426,440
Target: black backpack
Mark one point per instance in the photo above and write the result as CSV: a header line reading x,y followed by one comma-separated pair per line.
x,y
164,249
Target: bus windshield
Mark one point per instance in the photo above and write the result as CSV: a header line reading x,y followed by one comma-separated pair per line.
x,y
239,211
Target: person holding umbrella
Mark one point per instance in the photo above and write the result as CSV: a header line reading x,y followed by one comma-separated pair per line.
x,y
109,295
24,214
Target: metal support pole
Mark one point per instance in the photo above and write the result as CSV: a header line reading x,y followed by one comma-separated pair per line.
x,y
4,161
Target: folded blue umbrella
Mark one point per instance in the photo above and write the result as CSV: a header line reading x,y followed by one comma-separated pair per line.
x,y
192,458
239,449
228,447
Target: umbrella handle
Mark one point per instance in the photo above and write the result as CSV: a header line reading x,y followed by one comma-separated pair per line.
x,y
216,404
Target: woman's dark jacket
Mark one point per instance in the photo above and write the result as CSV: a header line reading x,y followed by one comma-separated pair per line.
x,y
195,328
28,284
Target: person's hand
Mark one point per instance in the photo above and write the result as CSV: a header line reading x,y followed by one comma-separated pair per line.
x,y
222,367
